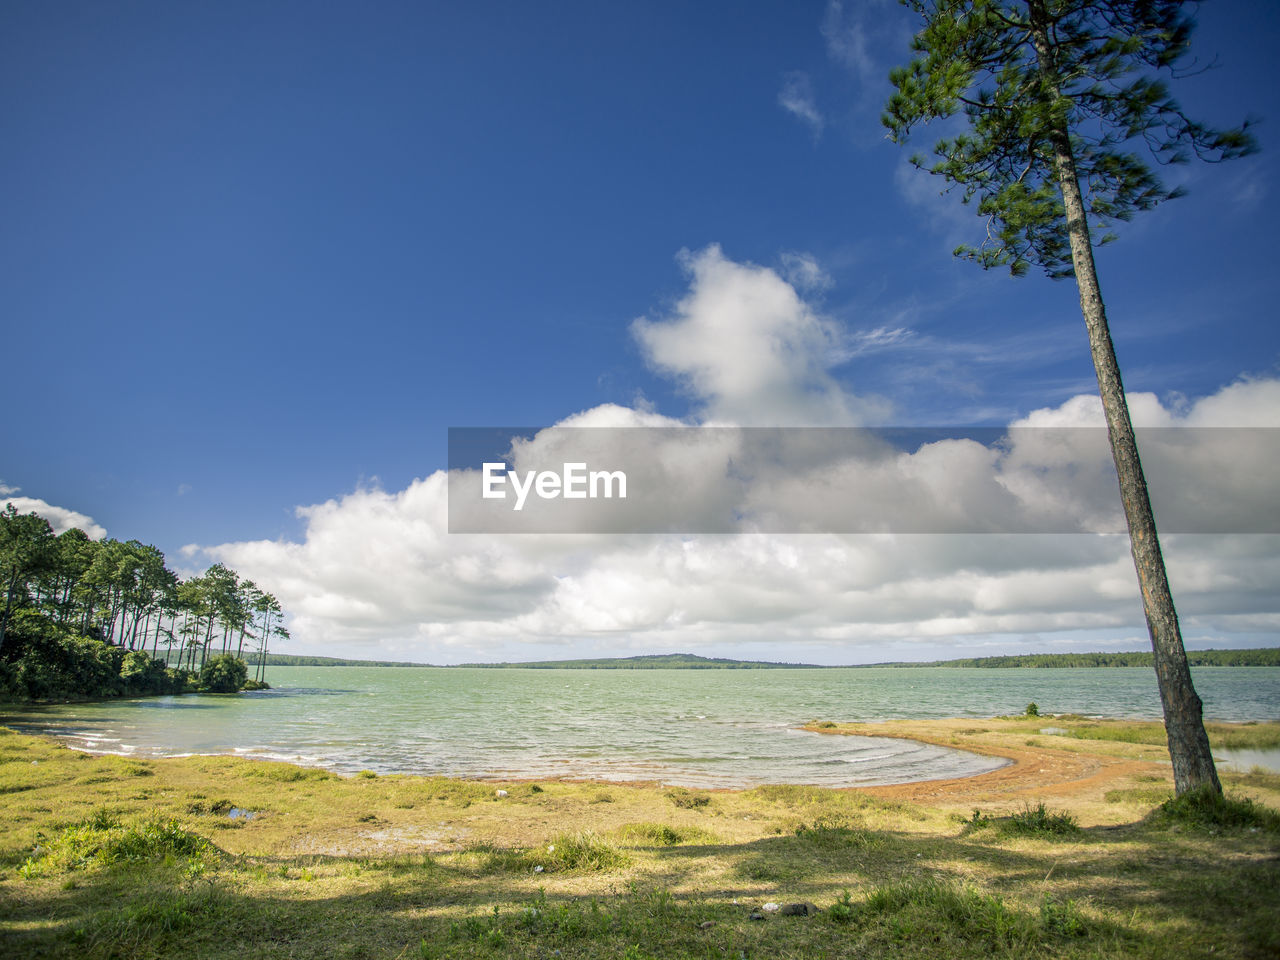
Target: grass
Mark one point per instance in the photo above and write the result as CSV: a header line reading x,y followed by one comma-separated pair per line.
x,y
688,799
101,840
1225,736
1213,811
1030,821
154,866
663,835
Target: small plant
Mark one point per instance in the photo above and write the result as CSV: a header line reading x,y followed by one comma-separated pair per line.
x,y
978,821
202,806
367,775
658,834
842,911
1039,821
584,851
1032,710
1064,919
687,799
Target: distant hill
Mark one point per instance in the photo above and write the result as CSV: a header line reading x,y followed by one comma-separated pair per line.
x,y
1264,657
665,661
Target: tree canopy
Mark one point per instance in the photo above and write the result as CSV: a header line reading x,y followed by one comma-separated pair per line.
x,y
78,616
1023,73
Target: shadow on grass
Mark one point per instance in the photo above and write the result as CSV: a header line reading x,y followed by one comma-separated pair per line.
x,y
1138,891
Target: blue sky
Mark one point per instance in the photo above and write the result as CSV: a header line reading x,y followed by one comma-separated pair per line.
x,y
257,257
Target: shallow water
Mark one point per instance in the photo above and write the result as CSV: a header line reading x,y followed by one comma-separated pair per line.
x,y
708,728
1242,761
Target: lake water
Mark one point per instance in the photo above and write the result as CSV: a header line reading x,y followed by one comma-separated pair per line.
x,y
707,728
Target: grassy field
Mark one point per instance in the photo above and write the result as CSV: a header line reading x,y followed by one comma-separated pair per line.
x,y
219,857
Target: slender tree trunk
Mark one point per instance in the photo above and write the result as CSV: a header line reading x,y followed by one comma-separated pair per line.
x,y
8,607
1183,718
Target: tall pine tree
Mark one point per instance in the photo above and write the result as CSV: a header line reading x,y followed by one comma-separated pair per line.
x,y
1066,113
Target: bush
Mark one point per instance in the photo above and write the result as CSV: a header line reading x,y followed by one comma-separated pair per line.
x,y
223,674
142,674
687,799
51,663
44,661
1039,821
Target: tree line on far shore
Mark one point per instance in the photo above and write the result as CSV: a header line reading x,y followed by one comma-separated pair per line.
x,y
1261,657
99,618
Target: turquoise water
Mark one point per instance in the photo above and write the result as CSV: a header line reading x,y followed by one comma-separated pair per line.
x,y
692,727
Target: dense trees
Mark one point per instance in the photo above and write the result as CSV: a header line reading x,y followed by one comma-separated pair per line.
x,y
1061,110
87,617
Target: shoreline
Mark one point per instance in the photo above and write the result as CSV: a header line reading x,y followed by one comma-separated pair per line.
x,y
1056,767
1060,772
516,777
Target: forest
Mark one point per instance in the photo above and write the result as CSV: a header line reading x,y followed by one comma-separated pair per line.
x,y
84,618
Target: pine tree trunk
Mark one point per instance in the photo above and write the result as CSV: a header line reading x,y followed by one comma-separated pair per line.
x,y
1193,766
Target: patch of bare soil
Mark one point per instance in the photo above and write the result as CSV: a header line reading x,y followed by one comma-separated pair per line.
x,y
1045,773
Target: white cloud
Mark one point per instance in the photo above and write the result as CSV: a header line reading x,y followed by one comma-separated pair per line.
x,y
60,518
379,568
751,349
796,97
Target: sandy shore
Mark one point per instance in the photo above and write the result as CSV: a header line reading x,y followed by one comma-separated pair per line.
x,y
1060,770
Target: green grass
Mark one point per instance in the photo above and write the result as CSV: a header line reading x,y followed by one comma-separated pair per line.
x,y
663,834
399,867
101,840
1206,809
1144,795
834,832
1226,736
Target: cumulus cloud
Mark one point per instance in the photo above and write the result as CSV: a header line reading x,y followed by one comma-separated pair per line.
x,y
748,346
60,518
378,567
